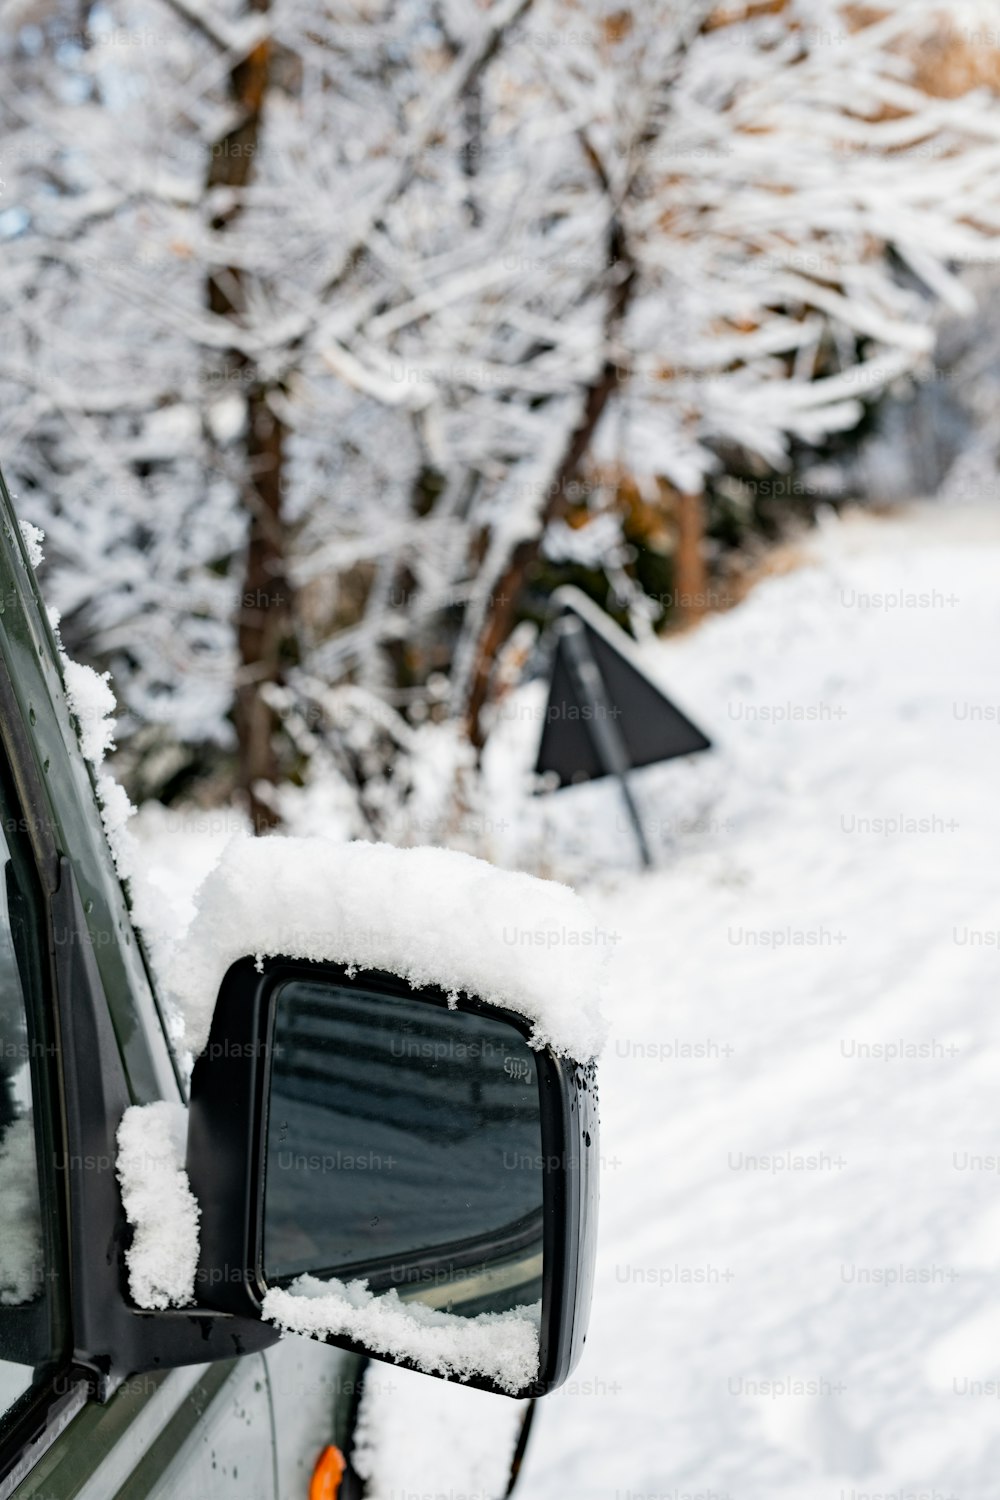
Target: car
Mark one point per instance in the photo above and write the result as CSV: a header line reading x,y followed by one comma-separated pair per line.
x,y
307,1058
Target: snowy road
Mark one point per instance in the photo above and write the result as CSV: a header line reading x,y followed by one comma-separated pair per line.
x,y
799,1281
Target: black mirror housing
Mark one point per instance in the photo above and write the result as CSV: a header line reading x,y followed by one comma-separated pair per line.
x,y
228,1139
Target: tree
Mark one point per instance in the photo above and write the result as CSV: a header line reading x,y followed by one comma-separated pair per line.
x,y
464,266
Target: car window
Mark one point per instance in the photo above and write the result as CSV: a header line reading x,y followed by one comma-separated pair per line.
x,y
29,1264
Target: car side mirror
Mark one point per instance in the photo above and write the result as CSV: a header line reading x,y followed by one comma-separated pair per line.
x,y
395,1171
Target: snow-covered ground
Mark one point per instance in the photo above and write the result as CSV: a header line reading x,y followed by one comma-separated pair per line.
x,y
799,1281
798,1288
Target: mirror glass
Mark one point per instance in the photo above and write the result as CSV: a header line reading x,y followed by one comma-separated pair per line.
x,y
403,1148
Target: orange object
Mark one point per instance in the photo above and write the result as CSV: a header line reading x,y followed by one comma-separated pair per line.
x,y
328,1473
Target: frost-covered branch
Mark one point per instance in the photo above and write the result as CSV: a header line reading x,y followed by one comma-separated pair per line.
x,y
469,261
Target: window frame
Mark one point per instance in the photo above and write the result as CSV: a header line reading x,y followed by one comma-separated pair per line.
x,y
33,1422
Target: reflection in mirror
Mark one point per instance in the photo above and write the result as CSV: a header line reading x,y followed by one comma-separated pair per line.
x,y
403,1149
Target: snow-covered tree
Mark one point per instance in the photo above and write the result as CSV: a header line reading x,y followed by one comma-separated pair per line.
x,y
319,316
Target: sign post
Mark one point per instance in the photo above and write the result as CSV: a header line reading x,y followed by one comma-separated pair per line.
x,y
608,741
604,714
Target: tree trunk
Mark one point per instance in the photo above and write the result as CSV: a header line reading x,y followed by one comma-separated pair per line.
x,y
510,587
264,625
690,574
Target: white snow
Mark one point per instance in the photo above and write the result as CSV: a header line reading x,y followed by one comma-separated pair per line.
x,y
766,1326
163,1257
431,916
33,537
501,1346
116,811
178,850
456,1440
20,1225
588,546
92,703
831,1330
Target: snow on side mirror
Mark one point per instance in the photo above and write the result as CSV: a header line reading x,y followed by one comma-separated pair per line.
x,y
395,1171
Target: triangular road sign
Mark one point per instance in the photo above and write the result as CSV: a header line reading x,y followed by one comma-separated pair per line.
x,y
604,722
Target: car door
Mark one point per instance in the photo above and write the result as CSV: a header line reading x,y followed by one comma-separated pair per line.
x,y
204,1430
315,1392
